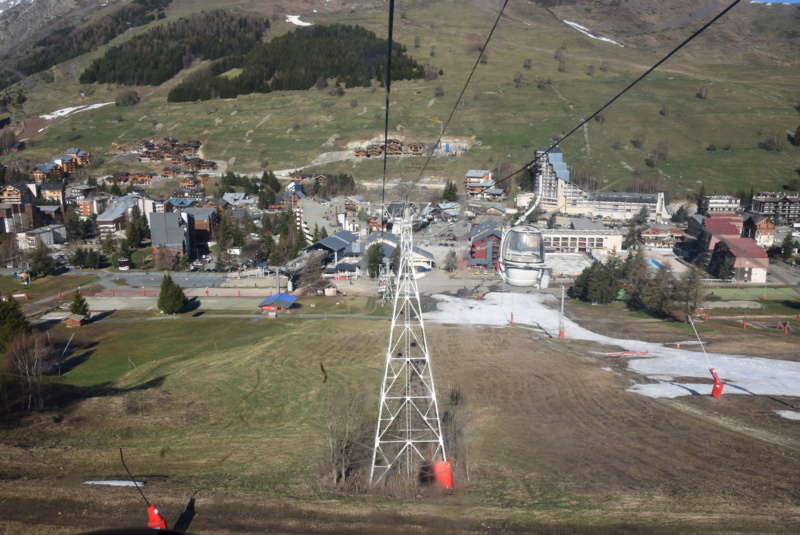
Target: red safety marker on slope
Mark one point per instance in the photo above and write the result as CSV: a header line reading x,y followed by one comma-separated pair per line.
x,y
155,520
716,390
443,473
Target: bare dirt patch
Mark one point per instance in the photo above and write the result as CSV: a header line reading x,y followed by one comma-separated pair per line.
x,y
556,444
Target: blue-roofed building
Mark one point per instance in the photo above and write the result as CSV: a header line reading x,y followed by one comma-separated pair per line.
x,y
181,202
278,303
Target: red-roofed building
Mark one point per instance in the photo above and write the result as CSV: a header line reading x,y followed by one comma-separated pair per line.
x,y
747,261
711,229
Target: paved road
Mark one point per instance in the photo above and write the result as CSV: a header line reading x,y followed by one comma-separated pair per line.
x,y
188,279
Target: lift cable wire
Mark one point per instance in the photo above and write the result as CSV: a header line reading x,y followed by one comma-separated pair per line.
x,y
460,96
135,484
388,84
607,104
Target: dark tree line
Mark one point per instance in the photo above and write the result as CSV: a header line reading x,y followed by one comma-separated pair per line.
x,y
657,291
66,43
158,55
335,185
351,55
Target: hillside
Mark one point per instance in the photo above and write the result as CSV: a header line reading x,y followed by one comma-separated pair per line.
x,y
746,66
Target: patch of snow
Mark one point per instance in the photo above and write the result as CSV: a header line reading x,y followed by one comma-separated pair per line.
x,y
8,4
741,374
789,415
584,30
115,483
295,19
64,112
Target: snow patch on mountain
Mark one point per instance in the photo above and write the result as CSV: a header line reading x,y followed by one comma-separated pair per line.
x,y
295,19
8,4
584,30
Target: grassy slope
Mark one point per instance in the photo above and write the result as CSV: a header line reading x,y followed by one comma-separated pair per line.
x,y
244,403
255,132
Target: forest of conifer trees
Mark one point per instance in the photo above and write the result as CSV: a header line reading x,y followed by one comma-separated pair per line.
x,y
67,43
350,55
154,57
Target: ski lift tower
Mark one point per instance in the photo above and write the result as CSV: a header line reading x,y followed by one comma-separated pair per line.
x,y
386,284
409,434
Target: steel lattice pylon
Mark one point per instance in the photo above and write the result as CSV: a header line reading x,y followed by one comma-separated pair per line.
x,y
409,432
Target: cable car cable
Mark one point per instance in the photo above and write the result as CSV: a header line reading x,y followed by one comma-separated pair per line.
x,y
135,484
460,96
631,85
388,86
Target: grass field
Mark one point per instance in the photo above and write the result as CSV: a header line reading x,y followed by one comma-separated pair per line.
x,y
289,129
236,407
44,287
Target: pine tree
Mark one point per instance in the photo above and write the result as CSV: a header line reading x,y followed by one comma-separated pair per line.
x,y
689,289
638,275
724,270
788,246
658,294
12,322
78,305
41,262
79,258
374,259
171,298
450,193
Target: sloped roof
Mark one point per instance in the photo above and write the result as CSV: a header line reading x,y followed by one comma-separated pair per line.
x,y
482,227
745,248
339,241
282,300
167,229
390,243
486,233
204,212
722,227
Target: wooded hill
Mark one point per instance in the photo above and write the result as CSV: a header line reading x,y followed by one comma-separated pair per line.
x,y
158,55
69,42
351,55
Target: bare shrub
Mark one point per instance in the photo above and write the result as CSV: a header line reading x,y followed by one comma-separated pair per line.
x,y
773,141
349,426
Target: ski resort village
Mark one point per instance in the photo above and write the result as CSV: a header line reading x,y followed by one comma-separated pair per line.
x,y
366,268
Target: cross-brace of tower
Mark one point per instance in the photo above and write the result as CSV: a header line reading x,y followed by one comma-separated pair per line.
x,y
409,433
386,284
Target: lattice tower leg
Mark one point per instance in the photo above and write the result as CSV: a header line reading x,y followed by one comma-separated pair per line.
x,y
409,433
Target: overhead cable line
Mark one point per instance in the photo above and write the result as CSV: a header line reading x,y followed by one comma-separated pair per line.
x,y
607,104
460,96
388,85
